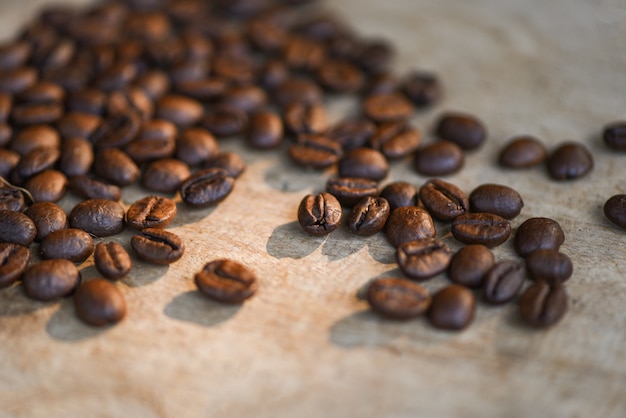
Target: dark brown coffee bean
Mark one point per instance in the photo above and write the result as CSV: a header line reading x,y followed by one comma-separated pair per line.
x,y
226,281
340,76
315,151
224,121
157,246
14,54
364,163
8,161
297,89
156,140
368,216
248,98
99,303
6,102
497,199
439,159
165,175
237,68
352,133
179,110
388,107
274,73
115,131
51,279
69,243
205,89
99,217
76,157
452,308
6,132
36,113
13,199
195,146
265,130
89,100
32,137
443,200
422,87
350,190
614,135
16,228
615,210
305,118
470,264
112,260
399,194
319,214
409,223
151,212
549,265
396,139
304,53
543,305
13,262
48,217
131,100
88,188
78,125
206,187
570,161
230,162
380,83
16,80
423,258
33,163
464,130
538,233
116,167
397,298
154,82
481,228
523,152
47,186
503,282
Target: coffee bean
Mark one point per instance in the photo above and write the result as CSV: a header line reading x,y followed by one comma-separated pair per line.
x,y
81,125
364,163
368,216
380,83
13,262
69,243
422,87
226,281
16,80
48,217
195,146
265,131
8,161
409,223
230,162
503,282
614,135
388,107
543,305
99,303
522,152
157,246
88,188
6,132
154,82
36,113
12,199
76,157
112,260
33,163
224,121
464,130
443,200
351,190
396,139
397,298
89,100
452,308
303,53
423,258
115,131
297,89
352,133
470,264
51,279
549,265
237,68
399,194
497,199
274,73
375,56
315,151
439,159
204,89
116,167
133,99
165,175
14,54
481,228
157,139
248,98
569,161
99,217
151,212
538,233
615,210
47,186
340,76
319,214
305,118
206,187
16,228
32,137
180,110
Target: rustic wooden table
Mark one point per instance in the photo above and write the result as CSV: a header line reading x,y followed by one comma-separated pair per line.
x,y
306,345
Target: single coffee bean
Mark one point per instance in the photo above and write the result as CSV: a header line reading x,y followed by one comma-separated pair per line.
x,y
443,200
352,133
549,265
47,186
470,264
230,162
76,157
319,214
464,130
112,260
303,53
13,262
79,125
48,217
14,54
204,89
340,76
16,228
522,152
226,281
388,107
36,113
614,135
316,151
543,305
99,303
274,73
305,118
165,175
151,212
397,298
538,233
195,146
569,161
481,228
351,190
503,282
88,100
116,167
206,187
452,308
133,99
422,87
368,216
224,121
615,210
265,131
157,139
297,89
12,198
115,131
6,101
51,279
6,132
33,163
375,56
399,194
157,246
32,137
180,110
380,83
364,163
497,199
409,223
396,139
423,258
16,80
69,243
439,159
8,161
88,188
248,98
99,217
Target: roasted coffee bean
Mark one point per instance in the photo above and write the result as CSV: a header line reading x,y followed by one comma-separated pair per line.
x,y
157,139
14,54
248,98
375,56
439,159
99,303
409,223
395,139
340,76
303,53
230,162
99,217
130,100
443,200
538,233
157,246
423,258
116,167
274,73
69,243
224,121
36,113
380,83
543,305
364,163
204,89
481,228
470,264
76,157
319,214
116,77
352,133
452,308
265,130
388,107
112,260
206,187
33,163
464,130
165,175
351,190
297,89
195,146
115,131
16,80
51,279
180,110
79,125
88,188
37,136
523,152
422,87
615,210
614,135
47,186
235,68
12,199
503,282
16,228
89,100
42,92
571,160
48,217
305,118
151,212
6,102
316,151
549,265
399,194
497,199
368,216
8,161
397,298
13,262
226,281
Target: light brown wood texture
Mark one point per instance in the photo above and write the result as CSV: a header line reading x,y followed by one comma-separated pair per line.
x,y
306,345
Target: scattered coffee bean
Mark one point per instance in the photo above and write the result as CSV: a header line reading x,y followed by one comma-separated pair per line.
x,y
305,118
364,163
165,175
439,159
497,199
388,107
368,216
13,262
180,110
350,190
523,152
464,130
99,303
33,137
399,194
157,246
538,233
470,264
112,260
422,87
51,279
549,265
396,139
319,214
452,308
157,139
297,89
503,282
69,243
206,187
33,163
615,210
47,186
230,162
115,131
226,281
340,76
315,151
88,188
195,146
265,131
248,98
151,212
99,217
116,167
224,121
352,133
16,228
443,200
423,258
48,217
481,228
543,305
409,223
569,161
614,135
76,157
397,298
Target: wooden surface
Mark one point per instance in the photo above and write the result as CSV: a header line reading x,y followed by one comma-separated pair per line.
x,y
306,345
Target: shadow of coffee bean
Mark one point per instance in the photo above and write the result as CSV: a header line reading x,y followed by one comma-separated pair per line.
x,y
290,241
193,307
342,243
64,325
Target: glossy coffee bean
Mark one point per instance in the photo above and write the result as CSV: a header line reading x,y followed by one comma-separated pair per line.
x,y
79,125
12,198
248,98
409,223
99,217
614,135
364,163
88,188
439,159
47,186
388,107
615,210
305,118
32,137
51,279
99,303
165,175
226,281
368,216
112,260
157,246
224,121
470,264
452,308
265,130
195,146
351,190
151,212
481,228
522,152
549,265
340,76
399,194
543,305
319,214
443,200
180,110
76,157
48,217
16,228
206,187
464,130
503,282
538,233
571,160
33,163
115,131
423,258
397,298
315,151
352,133
69,243
422,88
230,162
396,139
157,139
8,161
13,262
115,167
497,199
